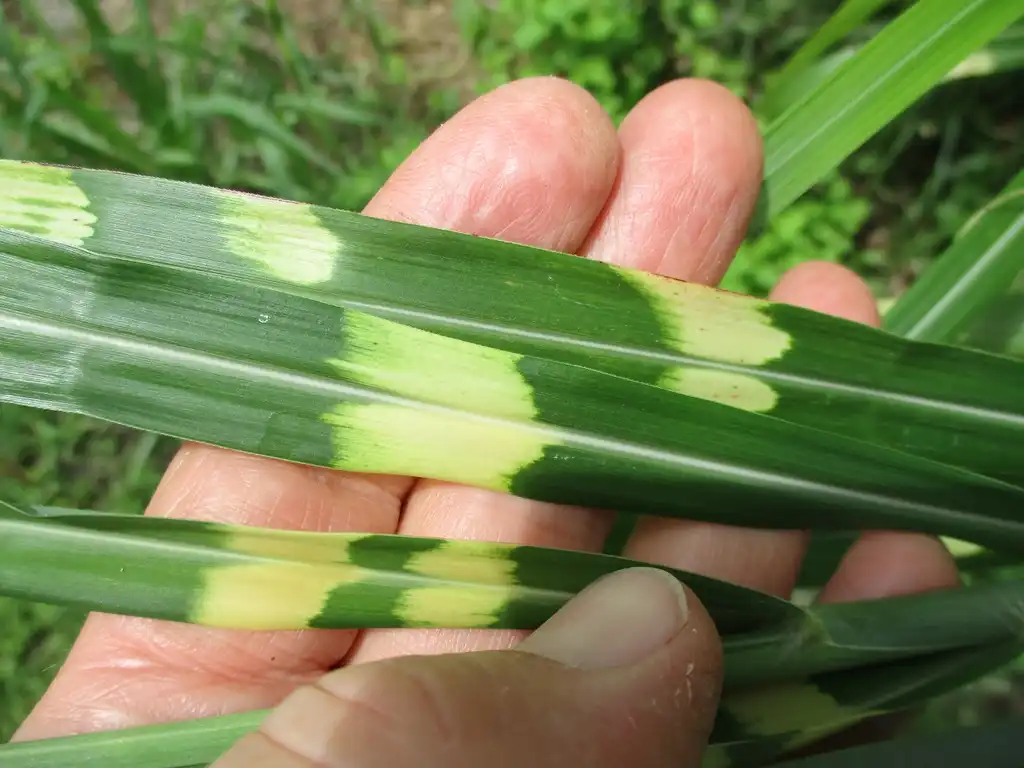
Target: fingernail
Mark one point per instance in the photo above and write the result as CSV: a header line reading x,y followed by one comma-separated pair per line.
x,y
617,621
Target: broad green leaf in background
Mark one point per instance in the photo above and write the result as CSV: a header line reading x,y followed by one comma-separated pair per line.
x,y
203,358
983,261
1004,53
864,93
937,402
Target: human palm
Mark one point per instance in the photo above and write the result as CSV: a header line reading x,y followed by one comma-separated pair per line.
x,y
537,162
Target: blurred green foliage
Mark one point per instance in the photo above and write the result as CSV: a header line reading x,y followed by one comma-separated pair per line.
x,y
322,106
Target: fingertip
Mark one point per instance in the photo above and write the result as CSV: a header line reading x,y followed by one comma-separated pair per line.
x,y
690,176
831,289
719,107
889,564
532,161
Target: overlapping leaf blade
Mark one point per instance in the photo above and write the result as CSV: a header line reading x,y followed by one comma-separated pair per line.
x,y
255,370
993,745
938,402
184,744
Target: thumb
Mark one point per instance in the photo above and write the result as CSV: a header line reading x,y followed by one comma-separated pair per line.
x,y
627,673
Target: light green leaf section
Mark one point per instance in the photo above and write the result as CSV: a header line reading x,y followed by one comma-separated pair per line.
x,y
288,593
713,324
286,238
488,451
43,200
733,389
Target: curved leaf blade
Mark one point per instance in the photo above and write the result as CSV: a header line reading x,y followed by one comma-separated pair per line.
x,y
894,69
985,258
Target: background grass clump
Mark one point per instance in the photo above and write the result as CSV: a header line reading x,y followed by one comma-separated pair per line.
x,y
319,101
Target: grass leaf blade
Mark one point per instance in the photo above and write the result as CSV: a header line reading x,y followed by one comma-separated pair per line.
x,y
893,70
264,372
950,405
984,259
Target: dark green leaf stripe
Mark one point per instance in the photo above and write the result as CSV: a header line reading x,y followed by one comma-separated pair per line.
x,y
265,372
255,578
951,405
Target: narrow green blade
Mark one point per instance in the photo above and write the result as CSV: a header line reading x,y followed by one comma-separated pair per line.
x,y
1003,53
947,404
205,359
251,578
841,636
985,258
848,17
254,578
184,744
909,56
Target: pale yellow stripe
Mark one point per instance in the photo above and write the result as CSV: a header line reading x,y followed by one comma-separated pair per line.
x,y
285,237
269,595
292,545
44,201
779,709
479,563
455,606
736,389
438,369
422,443
708,323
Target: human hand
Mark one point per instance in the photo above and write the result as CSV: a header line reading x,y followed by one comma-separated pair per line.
x,y
538,162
